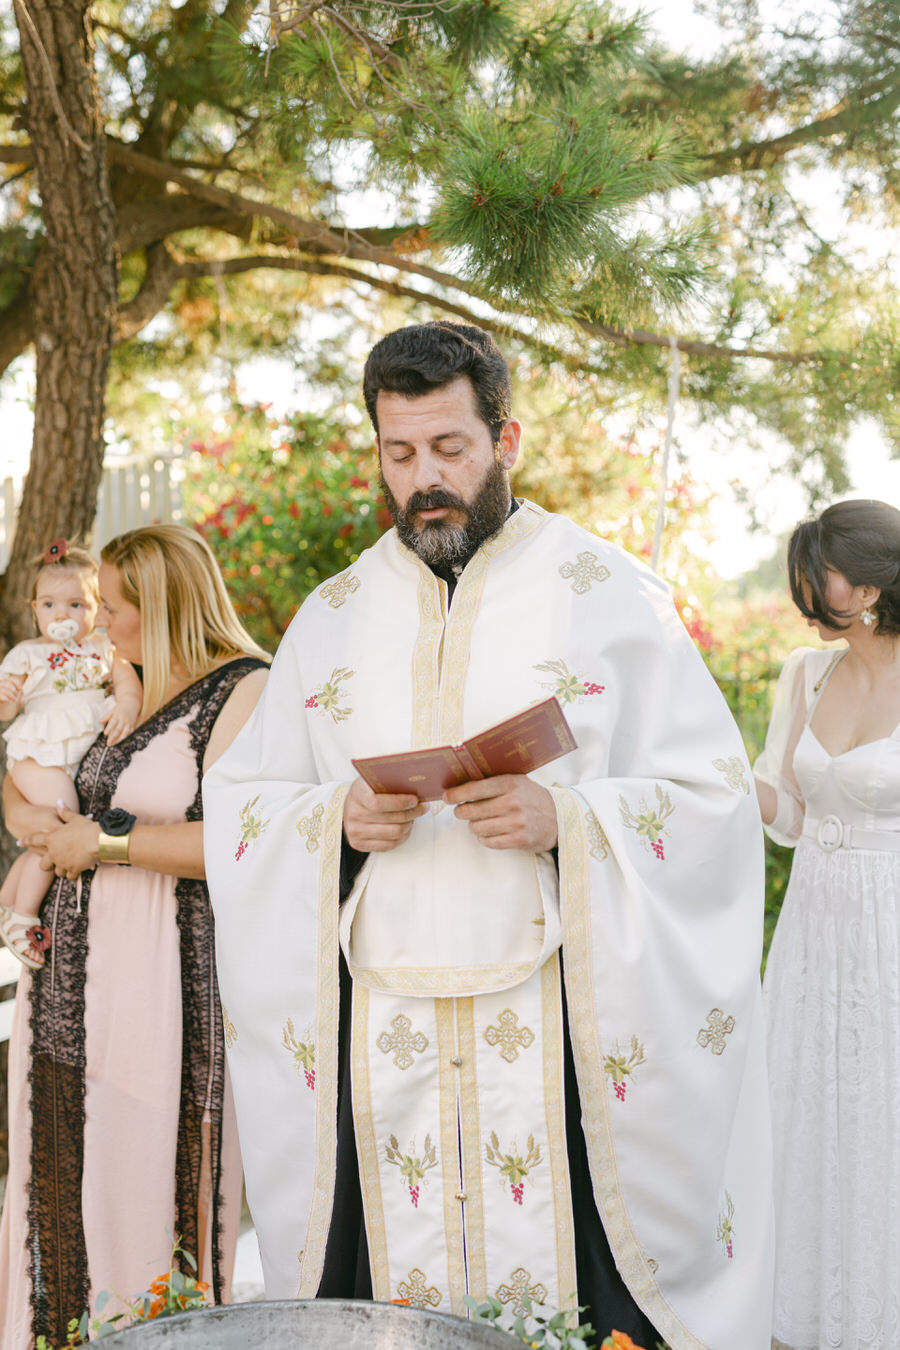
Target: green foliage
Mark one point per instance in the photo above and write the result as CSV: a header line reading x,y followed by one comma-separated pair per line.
x,y
540,207
538,1327
753,635
172,1292
550,164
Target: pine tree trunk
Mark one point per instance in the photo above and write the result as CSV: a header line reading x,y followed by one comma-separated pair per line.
x,y
72,296
73,291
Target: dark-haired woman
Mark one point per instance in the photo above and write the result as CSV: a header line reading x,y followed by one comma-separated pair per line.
x,y
829,783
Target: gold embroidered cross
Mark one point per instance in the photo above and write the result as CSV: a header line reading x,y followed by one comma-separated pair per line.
x,y
584,572
414,1290
598,844
509,1035
733,770
402,1043
340,589
520,1293
713,1035
310,828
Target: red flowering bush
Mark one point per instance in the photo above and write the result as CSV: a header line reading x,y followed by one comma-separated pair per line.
x,y
284,503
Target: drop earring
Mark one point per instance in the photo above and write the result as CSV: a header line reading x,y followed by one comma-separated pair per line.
x,y
867,617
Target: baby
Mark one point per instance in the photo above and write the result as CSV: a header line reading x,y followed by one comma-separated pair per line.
x,y
54,687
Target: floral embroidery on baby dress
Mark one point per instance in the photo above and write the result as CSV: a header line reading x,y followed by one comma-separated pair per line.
x,y
252,826
650,824
77,669
412,1167
512,1166
566,686
619,1067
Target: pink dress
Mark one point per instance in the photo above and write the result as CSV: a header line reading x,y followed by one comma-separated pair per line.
x,y
121,1122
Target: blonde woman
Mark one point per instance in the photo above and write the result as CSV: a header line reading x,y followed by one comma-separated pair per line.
x,y
122,1129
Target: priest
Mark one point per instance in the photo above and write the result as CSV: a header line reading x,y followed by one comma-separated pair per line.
x,y
507,1043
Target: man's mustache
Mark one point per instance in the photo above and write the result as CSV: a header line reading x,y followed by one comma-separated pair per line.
x,y
431,501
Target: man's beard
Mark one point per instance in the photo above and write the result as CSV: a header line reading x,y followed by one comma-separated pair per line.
x,y
446,542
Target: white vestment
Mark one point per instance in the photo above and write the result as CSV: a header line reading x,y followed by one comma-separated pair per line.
x,y
653,918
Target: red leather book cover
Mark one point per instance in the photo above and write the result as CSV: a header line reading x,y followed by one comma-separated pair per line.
x,y
525,741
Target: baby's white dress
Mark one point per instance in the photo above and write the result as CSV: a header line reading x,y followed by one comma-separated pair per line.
x,y
832,998
64,697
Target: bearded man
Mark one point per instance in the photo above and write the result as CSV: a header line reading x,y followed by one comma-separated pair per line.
x,y
508,1043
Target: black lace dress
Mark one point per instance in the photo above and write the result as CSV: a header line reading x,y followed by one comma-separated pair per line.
x,y
122,1129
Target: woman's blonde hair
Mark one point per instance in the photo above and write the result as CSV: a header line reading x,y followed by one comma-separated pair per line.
x,y
170,574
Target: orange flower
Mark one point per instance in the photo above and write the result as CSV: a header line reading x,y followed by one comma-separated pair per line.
x,y
620,1340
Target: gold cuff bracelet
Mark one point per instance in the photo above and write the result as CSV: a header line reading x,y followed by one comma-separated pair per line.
x,y
113,848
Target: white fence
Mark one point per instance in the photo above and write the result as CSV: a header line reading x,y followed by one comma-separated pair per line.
x,y
131,493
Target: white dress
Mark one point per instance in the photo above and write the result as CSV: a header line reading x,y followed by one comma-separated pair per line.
x,y
832,994
64,698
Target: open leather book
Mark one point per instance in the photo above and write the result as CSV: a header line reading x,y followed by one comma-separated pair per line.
x,y
532,737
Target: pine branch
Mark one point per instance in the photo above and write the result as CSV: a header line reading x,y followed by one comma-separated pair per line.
x,y
162,272
847,118
617,336
344,244
197,268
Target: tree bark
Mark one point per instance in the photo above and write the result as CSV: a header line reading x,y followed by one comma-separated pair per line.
x,y
72,294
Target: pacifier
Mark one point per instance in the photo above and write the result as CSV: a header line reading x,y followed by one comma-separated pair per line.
x,y
63,630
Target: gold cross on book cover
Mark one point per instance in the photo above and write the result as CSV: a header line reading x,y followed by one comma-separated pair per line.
x,y
532,737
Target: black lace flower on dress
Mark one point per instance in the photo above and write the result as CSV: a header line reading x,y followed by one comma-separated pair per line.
x,y
116,821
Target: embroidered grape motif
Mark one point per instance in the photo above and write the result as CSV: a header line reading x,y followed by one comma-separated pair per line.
x,y
518,1193
591,688
658,849
312,702
619,1089
414,1196
310,1076
241,850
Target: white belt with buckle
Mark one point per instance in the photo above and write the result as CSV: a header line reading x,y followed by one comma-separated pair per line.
x,y
831,833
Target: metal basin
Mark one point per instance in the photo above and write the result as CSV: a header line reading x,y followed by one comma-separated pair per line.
x,y
317,1324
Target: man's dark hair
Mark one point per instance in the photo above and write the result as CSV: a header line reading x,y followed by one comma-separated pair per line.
x,y
859,539
414,361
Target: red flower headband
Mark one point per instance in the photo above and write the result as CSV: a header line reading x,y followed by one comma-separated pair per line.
x,y
56,552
